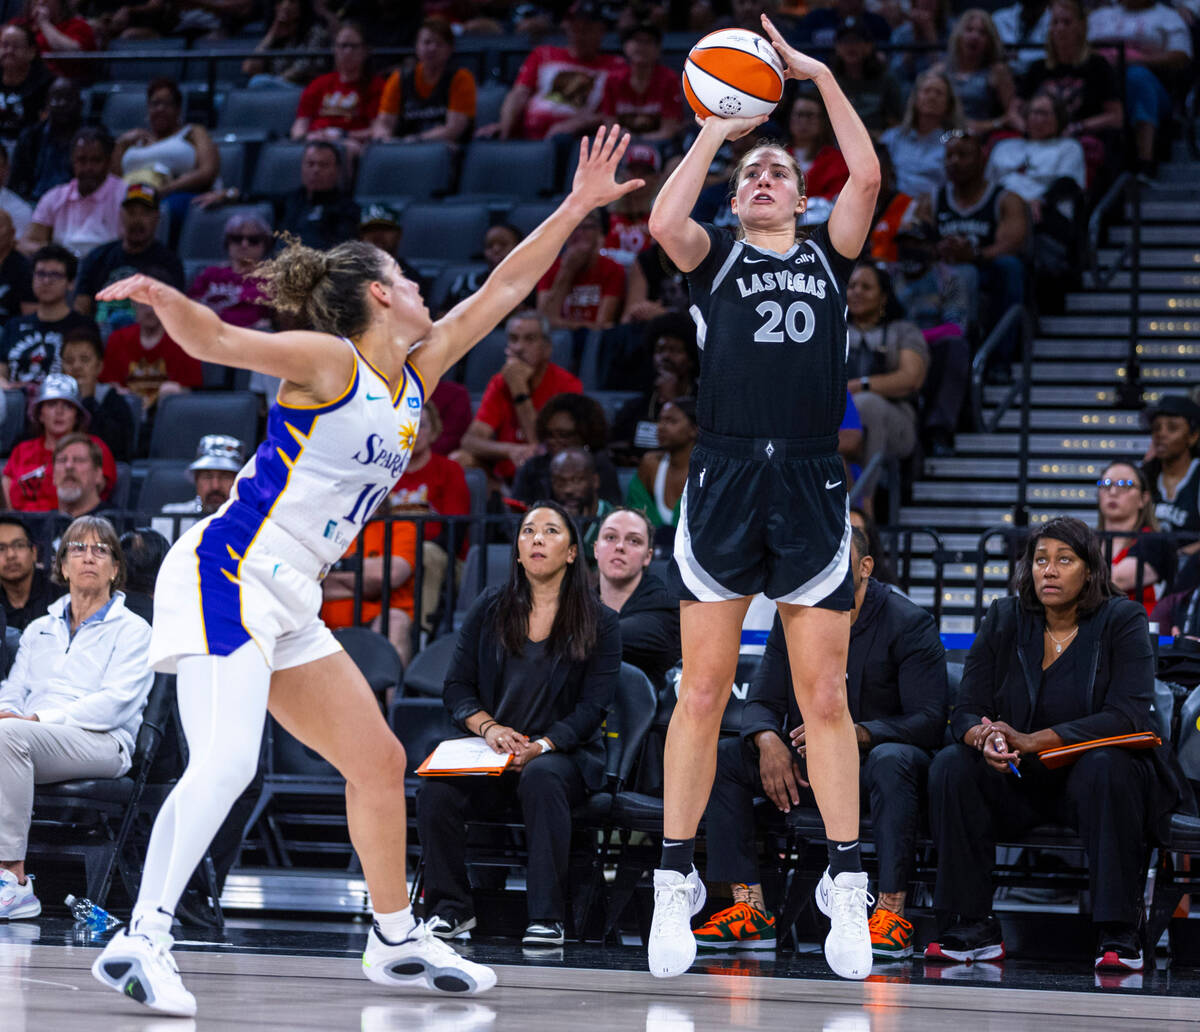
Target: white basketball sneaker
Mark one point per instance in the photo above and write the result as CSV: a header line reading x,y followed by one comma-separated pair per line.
x,y
144,970
17,900
422,961
672,946
845,901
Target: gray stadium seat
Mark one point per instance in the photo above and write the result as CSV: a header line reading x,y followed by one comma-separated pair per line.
x,y
484,360
445,280
277,170
119,499
522,168
258,112
184,418
489,99
493,565
133,70
203,233
164,484
417,170
228,69
528,215
16,402
611,401
233,163
453,232
124,110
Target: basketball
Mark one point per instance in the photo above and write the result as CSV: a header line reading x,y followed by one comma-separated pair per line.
x,y
733,73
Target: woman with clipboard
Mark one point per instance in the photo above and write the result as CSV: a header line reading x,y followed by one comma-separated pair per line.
x,y
534,674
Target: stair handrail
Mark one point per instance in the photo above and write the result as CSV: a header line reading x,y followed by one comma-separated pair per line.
x,y
880,461
1011,536
902,554
1014,314
1101,277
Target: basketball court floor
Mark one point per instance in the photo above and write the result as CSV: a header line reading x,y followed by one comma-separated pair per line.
x,y
267,976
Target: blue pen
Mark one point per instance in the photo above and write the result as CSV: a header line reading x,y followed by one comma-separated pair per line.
x,y
1013,767
1001,745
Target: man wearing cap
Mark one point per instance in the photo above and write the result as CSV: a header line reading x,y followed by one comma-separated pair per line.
x,y
1173,469
559,89
644,98
380,225
31,345
218,460
136,250
29,473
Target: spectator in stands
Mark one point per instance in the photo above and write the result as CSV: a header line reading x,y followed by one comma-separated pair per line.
x,y
24,81
1023,28
341,105
29,473
28,589
503,433
1030,166
918,143
648,615
12,204
583,289
629,215
219,459
85,212
1158,52
320,213
559,90
811,143
16,273
232,290
937,299
79,476
143,358
976,67
818,28
676,370
73,701
568,421
657,489
865,78
58,30
365,559
1079,78
41,159
178,159
876,549
1064,660
433,484
985,226
1173,469
109,414
534,673
894,209
144,551
1143,561
295,25
897,692
429,100
644,97
653,286
31,345
927,23
137,249
497,242
214,19
379,224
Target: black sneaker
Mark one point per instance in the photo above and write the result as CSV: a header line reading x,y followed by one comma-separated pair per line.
x,y
543,933
1118,949
450,927
981,939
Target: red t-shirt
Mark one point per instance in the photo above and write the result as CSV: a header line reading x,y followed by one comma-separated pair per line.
x,y
563,86
454,406
331,103
74,28
629,235
144,370
605,278
439,486
643,112
827,174
497,411
30,470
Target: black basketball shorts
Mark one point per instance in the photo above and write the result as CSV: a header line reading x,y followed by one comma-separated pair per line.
x,y
769,516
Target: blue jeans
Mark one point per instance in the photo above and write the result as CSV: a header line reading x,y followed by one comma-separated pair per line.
x,y
1002,282
1146,96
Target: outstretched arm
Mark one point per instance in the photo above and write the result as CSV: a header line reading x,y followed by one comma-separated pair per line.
x,y
852,215
470,320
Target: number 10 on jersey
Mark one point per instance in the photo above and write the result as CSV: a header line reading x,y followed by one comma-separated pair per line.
x,y
366,503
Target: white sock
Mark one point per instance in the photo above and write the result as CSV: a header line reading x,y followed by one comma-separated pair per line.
x,y
152,922
396,926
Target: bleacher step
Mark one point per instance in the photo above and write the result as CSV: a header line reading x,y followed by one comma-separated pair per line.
x,y
1177,233
1118,303
980,518
1115,348
1152,280
1064,471
1047,445
1157,374
1073,419
1103,326
1156,257
953,493
1083,397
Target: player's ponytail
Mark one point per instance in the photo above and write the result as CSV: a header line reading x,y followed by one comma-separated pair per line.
x,y
327,289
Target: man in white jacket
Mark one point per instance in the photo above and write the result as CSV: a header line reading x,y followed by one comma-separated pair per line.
x,y
72,703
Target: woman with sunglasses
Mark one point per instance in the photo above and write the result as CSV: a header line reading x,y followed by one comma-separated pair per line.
x,y
238,596
1143,560
72,703
232,290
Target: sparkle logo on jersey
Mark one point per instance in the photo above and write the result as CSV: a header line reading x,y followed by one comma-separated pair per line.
x,y
793,282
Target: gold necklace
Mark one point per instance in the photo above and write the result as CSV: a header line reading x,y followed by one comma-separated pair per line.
x,y
1058,645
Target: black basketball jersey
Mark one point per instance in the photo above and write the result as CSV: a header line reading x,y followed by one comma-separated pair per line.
x,y
772,333
1181,513
417,113
977,223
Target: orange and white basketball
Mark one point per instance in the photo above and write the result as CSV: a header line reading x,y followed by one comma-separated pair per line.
x,y
733,73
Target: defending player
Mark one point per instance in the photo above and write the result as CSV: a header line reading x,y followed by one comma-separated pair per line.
x,y
237,599
765,506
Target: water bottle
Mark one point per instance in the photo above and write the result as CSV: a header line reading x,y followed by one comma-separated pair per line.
x,y
87,913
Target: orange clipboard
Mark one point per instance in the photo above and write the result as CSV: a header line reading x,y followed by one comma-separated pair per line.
x,y
456,757
1067,754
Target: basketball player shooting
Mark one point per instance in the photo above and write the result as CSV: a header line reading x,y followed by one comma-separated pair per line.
x,y
765,507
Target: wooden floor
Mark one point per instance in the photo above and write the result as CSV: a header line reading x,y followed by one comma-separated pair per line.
x,y
48,988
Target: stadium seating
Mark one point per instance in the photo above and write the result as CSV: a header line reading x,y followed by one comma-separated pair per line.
x,y
415,170
233,163
518,168
528,215
277,170
203,233
145,69
258,114
484,360
454,232
184,418
125,109
164,485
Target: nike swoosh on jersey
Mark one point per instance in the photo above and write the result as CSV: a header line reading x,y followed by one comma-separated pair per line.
x,y
754,261
830,486
376,397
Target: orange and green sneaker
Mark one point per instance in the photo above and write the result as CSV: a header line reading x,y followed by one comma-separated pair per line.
x,y
739,927
891,935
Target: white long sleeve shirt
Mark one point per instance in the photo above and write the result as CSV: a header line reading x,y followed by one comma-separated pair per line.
x,y
99,680
1028,167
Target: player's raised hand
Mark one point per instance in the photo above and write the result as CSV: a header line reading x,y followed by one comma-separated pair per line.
x,y
731,128
139,287
595,183
798,65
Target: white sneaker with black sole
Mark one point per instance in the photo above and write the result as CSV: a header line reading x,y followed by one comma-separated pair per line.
x,y
543,933
17,900
445,928
144,970
672,946
422,961
845,901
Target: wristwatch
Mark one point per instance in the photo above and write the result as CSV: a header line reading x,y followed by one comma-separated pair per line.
x,y
864,383
545,744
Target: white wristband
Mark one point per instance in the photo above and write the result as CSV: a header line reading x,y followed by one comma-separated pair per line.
x,y
545,744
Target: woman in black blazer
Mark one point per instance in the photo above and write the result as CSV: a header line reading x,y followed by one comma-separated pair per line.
x,y
1066,659
534,675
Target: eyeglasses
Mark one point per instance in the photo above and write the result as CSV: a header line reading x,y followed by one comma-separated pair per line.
x,y
50,274
99,549
244,238
16,547
1108,484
